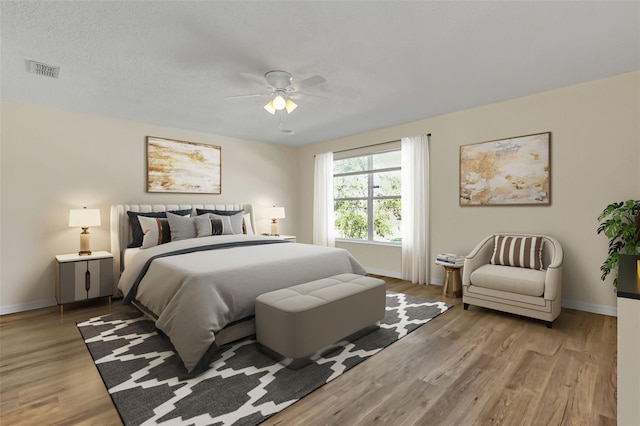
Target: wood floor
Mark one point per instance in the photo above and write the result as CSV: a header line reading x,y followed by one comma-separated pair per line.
x,y
462,368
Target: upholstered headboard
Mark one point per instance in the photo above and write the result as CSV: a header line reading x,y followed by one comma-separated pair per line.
x,y
121,230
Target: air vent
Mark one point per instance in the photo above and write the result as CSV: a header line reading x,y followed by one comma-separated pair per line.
x,y
43,69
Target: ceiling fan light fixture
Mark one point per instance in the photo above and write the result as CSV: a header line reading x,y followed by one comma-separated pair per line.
x,y
279,102
270,108
290,106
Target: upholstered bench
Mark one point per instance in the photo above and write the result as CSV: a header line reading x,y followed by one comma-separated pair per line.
x,y
294,323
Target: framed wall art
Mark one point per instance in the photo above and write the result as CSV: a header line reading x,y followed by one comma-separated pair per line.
x,y
512,171
179,166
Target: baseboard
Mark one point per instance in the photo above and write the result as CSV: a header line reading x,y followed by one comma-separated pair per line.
x,y
21,307
390,274
398,275
437,281
589,307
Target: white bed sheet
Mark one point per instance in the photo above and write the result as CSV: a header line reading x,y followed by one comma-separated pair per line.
x,y
128,255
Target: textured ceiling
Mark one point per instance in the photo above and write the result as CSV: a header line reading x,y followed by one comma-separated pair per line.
x,y
173,62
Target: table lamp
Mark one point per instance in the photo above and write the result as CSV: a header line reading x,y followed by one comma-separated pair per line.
x,y
84,218
274,213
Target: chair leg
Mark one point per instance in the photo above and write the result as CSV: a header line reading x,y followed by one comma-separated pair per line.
x,y
466,306
549,324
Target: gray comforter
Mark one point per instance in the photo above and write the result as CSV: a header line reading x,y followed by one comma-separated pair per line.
x,y
195,295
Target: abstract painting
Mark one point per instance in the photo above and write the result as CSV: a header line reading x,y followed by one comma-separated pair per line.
x,y
513,171
179,166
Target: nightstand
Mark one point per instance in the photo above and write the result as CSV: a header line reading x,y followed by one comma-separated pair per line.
x,y
291,238
83,277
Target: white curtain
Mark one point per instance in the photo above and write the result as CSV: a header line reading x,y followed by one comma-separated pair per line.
x,y
415,209
323,221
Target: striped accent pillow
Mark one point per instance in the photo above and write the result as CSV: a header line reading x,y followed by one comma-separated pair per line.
x,y
524,252
155,231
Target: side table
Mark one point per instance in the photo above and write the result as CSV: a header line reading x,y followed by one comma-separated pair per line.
x,y
290,238
452,286
83,277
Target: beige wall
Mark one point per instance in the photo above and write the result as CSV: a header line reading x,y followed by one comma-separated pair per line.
x,y
53,160
595,153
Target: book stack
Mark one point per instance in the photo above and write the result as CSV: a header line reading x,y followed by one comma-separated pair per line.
x,y
450,259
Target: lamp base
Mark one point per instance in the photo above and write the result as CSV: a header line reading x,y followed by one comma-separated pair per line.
x,y
85,243
274,228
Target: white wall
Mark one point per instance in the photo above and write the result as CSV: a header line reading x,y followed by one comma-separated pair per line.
x,y
595,148
52,161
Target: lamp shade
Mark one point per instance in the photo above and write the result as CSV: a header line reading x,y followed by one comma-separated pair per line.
x,y
84,218
279,103
290,106
270,108
274,212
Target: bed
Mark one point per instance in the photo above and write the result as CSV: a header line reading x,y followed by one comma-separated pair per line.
x,y
201,291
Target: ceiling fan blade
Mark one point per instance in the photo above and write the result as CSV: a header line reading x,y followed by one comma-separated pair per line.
x,y
311,81
254,95
304,95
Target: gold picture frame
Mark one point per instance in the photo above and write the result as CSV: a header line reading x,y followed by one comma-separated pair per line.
x,y
512,171
183,167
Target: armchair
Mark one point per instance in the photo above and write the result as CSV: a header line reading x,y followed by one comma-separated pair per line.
x,y
535,293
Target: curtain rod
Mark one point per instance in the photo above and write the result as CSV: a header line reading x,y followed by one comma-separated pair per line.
x,y
368,146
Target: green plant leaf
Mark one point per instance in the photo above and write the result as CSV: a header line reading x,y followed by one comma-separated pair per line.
x,y
621,224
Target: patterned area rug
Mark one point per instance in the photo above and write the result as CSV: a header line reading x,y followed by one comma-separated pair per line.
x,y
243,386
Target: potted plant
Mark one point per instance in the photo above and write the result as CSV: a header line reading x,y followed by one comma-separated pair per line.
x,y
621,224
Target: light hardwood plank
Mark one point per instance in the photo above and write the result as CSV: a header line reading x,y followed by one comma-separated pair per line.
x,y
464,367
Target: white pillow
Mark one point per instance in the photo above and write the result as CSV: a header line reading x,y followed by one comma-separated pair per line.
x,y
248,229
152,231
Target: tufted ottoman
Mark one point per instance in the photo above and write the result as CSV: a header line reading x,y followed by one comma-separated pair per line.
x,y
294,323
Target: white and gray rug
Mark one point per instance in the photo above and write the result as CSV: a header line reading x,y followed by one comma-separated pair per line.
x,y
243,386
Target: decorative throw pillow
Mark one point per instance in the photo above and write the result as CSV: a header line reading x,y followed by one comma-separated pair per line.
x,y
182,228
234,223
155,231
136,229
207,226
524,252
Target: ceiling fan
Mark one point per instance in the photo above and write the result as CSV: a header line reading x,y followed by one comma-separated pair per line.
x,y
281,90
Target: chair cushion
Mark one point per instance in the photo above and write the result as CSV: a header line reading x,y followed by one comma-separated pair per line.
x,y
525,252
509,278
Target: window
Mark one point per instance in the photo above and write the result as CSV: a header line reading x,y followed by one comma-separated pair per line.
x,y
366,197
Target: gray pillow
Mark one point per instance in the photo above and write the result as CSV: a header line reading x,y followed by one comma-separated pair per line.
x,y
227,229
182,228
206,226
232,223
